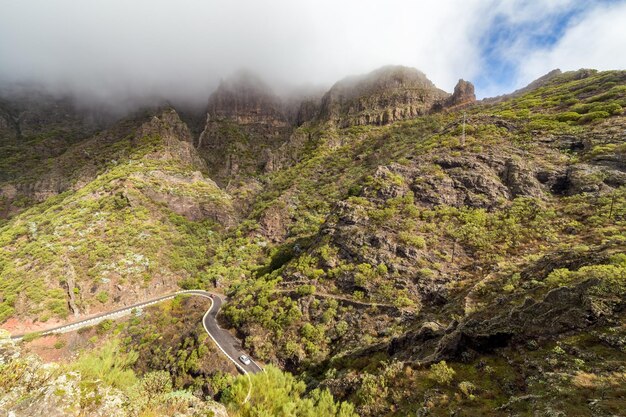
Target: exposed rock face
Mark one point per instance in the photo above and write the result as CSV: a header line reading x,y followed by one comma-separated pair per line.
x,y
472,180
85,160
246,100
462,96
208,203
511,320
561,309
309,109
176,136
380,97
244,120
188,194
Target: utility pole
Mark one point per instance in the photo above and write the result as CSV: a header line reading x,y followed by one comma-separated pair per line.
x,y
463,137
453,251
612,203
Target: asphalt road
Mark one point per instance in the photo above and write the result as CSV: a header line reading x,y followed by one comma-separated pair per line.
x,y
226,342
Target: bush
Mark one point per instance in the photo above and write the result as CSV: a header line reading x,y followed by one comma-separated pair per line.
x,y
611,108
108,364
410,239
104,326
306,290
102,296
277,393
468,389
441,373
31,336
582,108
569,116
593,116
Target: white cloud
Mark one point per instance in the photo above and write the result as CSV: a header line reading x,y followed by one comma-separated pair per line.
x,y
115,49
597,40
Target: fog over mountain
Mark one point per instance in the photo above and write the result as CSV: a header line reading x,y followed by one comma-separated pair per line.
x,y
330,208
119,52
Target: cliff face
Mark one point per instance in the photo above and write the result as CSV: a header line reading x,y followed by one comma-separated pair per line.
x,y
245,122
245,99
249,129
35,125
380,97
463,95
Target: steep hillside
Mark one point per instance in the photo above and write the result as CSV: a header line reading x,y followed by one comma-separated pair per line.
x,y
413,251
411,243
245,123
136,222
35,128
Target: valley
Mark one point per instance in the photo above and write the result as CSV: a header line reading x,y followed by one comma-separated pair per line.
x,y
386,248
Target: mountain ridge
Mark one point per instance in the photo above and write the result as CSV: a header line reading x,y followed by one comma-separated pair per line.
x,y
458,255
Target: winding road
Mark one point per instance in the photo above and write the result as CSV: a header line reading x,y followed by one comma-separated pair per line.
x,y
227,343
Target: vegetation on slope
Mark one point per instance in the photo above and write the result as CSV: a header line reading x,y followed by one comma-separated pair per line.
x,y
406,268
416,229
114,234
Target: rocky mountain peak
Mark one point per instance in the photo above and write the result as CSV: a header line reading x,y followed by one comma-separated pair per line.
x,y
387,94
245,122
463,93
244,98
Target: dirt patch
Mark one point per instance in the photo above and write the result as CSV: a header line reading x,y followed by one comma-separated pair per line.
x,y
53,348
17,326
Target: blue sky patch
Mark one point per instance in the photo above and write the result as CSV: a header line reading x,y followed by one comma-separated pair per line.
x,y
501,43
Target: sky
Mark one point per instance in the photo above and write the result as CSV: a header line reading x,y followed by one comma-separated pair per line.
x,y
114,50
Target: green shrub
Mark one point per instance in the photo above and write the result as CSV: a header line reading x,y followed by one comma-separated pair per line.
x,y
108,364
31,336
507,114
277,393
467,389
104,326
102,296
559,277
593,116
412,240
582,108
569,116
441,373
611,108
306,290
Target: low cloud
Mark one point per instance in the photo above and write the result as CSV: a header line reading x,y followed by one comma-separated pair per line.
x,y
113,51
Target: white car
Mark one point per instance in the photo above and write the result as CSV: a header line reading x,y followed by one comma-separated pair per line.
x,y
244,359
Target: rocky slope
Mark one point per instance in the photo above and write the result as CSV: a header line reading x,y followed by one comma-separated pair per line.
x,y
363,240
410,243
118,227
245,123
380,97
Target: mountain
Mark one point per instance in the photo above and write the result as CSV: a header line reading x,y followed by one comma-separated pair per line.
x,y
245,122
412,251
114,226
383,96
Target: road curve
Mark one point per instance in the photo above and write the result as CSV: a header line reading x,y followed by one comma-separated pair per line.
x,y
227,343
